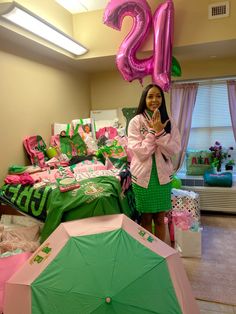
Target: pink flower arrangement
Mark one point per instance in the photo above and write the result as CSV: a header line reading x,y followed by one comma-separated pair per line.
x,y
219,155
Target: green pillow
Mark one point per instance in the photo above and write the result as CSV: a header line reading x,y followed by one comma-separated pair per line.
x,y
128,113
197,162
218,179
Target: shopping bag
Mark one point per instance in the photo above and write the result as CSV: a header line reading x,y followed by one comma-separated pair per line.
x,y
36,149
85,127
188,242
70,145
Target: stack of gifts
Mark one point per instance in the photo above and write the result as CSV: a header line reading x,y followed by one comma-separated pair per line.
x,y
184,222
187,233
187,201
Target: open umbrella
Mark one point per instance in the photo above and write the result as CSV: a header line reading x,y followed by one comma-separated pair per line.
x,y
107,264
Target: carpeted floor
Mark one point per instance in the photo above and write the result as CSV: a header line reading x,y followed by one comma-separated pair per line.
x,y
213,276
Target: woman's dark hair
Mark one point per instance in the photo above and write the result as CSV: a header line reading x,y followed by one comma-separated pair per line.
x,y
142,105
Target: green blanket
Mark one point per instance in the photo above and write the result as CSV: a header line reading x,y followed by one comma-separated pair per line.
x,y
26,199
95,197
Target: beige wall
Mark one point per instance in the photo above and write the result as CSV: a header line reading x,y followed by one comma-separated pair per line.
x,y
109,90
33,96
211,68
191,27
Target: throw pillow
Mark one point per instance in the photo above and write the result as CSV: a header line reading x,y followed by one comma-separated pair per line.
x,y
128,113
197,162
218,179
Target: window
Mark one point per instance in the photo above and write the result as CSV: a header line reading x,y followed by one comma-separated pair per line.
x,y
211,118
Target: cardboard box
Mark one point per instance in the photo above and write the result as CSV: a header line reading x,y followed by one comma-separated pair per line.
x,y
188,243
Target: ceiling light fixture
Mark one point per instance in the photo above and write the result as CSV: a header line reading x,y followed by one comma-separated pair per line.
x,y
24,18
73,6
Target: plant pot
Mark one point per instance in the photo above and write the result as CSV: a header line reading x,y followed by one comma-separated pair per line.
x,y
229,167
216,169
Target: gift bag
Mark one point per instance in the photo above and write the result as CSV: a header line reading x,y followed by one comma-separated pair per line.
x,y
73,146
85,127
70,145
188,242
36,149
186,202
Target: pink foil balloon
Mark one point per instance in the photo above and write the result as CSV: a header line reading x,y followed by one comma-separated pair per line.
x,y
129,66
163,20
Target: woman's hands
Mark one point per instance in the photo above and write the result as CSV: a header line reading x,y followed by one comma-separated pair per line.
x,y
155,123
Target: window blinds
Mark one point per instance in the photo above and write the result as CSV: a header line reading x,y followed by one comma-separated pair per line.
x,y
211,117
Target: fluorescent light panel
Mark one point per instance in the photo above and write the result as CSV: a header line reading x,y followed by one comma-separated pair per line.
x,y
79,6
73,6
36,25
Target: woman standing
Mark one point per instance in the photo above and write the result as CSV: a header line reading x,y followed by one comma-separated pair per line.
x,y
153,139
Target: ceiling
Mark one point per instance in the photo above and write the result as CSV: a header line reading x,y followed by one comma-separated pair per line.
x,y
17,44
79,6
22,46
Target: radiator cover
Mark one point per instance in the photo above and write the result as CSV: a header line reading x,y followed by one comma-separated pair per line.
x,y
221,199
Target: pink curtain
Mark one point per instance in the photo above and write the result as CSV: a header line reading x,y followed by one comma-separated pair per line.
x,y
183,97
231,86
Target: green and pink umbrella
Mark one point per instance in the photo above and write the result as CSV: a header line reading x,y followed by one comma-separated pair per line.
x,y
107,264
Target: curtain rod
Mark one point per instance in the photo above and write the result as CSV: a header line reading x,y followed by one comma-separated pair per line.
x,y
203,80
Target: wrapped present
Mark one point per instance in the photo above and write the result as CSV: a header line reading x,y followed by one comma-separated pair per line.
x,y
182,220
187,202
67,184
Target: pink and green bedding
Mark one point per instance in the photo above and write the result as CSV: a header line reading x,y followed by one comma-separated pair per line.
x,y
26,199
95,197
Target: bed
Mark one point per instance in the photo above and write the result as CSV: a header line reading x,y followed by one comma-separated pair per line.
x,y
100,192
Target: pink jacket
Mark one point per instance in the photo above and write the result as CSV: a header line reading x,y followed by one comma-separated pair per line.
x,y
144,142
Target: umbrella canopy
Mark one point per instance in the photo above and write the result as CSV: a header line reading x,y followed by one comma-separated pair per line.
x,y
99,265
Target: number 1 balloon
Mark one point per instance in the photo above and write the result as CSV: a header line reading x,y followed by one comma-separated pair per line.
x,y
163,42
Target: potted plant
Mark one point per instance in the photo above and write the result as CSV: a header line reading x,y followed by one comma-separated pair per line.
x,y
216,165
219,155
229,164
